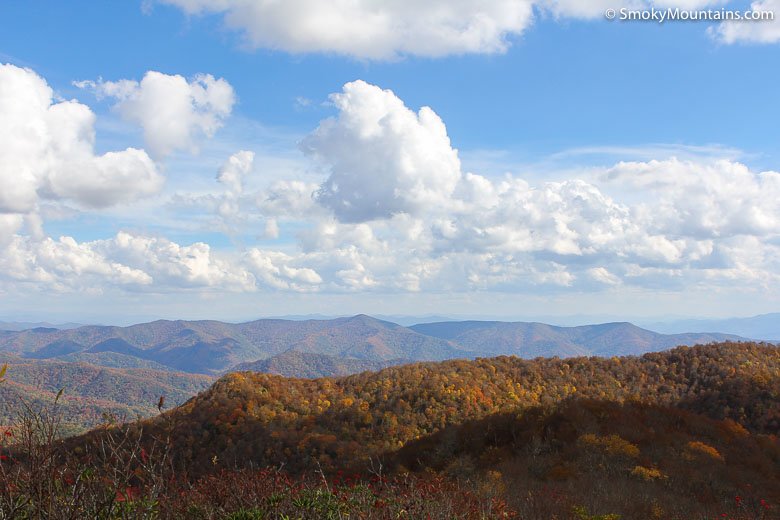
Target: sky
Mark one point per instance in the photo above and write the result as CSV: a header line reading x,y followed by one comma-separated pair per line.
x,y
233,159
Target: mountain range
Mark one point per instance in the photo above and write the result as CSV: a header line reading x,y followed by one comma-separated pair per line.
x,y
528,340
211,347
315,348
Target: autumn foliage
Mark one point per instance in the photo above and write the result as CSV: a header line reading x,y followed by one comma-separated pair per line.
x,y
689,433
265,420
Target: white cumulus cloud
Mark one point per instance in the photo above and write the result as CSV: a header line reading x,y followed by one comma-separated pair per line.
x,y
171,264
388,29
393,211
703,200
277,270
373,29
383,158
47,151
64,264
173,112
404,216
132,261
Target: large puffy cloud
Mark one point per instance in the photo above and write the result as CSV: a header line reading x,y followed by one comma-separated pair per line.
x,y
396,213
407,156
47,150
373,29
763,31
703,200
137,262
556,235
173,112
562,218
387,29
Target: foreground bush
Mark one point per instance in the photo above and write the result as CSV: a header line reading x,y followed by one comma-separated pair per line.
x,y
272,494
65,492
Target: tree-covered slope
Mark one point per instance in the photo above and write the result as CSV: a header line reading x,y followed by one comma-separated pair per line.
x,y
91,391
633,459
264,419
294,363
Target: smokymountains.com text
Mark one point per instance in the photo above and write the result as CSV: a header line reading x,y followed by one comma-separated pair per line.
x,y
675,14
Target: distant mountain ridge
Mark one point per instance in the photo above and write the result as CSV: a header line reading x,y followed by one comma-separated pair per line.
x,y
25,325
211,347
529,340
315,348
764,327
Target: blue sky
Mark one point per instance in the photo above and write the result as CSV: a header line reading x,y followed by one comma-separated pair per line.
x,y
569,164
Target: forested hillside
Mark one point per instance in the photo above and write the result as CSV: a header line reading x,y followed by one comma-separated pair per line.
x,y
634,459
269,420
90,391
307,365
688,433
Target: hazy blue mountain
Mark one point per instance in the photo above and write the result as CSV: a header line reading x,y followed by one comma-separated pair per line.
x,y
210,347
354,343
407,321
24,325
763,327
529,340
